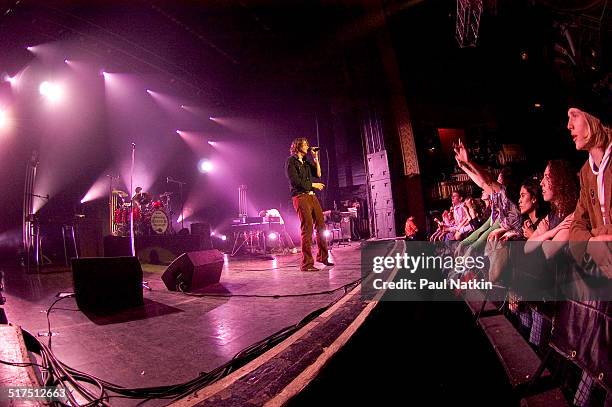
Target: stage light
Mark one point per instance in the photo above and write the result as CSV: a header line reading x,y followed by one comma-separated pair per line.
x,y
11,80
212,143
66,61
149,91
205,166
272,236
223,237
178,132
212,233
3,119
326,233
211,118
31,49
52,91
98,190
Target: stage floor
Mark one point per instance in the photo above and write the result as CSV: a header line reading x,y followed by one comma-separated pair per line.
x,y
175,337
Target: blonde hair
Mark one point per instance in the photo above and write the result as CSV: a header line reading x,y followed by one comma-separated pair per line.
x,y
599,135
295,145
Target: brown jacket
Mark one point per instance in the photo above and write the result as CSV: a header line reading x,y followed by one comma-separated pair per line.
x,y
588,220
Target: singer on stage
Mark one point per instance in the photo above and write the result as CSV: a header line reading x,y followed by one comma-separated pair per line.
x,y
300,172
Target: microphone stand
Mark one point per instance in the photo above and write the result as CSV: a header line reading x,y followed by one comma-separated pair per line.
x,y
180,184
35,224
133,246
145,284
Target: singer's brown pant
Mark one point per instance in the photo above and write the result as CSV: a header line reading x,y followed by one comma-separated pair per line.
x,y
310,213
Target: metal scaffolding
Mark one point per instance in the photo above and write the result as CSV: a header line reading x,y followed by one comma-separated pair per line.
x,y
468,22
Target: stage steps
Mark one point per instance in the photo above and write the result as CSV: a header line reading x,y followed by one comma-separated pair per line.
x,y
520,362
518,359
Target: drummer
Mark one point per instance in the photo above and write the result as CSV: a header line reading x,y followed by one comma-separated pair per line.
x,y
141,198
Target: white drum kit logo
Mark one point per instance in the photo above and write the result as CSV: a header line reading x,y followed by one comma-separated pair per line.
x,y
159,222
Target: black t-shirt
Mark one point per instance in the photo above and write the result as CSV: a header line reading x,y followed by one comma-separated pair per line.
x,y
300,175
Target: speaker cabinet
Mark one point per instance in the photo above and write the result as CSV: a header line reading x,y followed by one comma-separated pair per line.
x,y
107,283
194,270
202,230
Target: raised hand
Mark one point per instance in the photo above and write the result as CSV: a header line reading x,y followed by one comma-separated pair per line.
x,y
461,154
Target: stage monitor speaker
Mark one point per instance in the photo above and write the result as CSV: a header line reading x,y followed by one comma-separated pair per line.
x,y
193,270
200,228
107,283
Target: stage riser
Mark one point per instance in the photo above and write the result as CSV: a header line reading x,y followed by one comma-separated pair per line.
x,y
155,249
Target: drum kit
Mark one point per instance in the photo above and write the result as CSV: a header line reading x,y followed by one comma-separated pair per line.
x,y
151,214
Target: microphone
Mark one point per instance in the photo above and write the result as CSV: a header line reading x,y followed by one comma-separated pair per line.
x,y
314,149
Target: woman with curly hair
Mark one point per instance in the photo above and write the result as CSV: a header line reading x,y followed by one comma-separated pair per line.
x,y
560,189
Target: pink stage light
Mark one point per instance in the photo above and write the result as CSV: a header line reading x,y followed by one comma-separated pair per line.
x,y
212,143
6,121
52,91
11,80
3,119
223,237
272,236
205,166
326,233
187,212
178,132
98,190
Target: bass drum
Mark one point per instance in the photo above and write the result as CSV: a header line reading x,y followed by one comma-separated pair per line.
x,y
159,222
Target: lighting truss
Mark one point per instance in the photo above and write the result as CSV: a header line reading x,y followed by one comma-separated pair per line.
x,y
468,22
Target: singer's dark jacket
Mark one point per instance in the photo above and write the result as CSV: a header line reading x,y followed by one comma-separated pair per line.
x,y
300,175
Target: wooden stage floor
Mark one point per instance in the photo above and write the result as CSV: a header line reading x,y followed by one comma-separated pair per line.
x,y
175,337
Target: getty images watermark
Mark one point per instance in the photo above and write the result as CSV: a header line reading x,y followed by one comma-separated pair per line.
x,y
421,264
418,271
441,271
